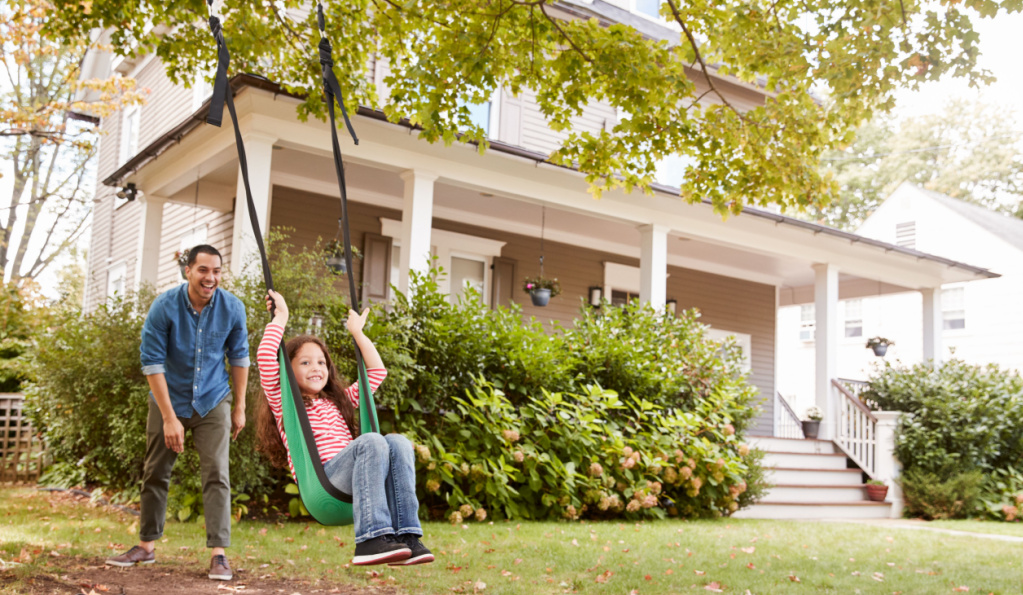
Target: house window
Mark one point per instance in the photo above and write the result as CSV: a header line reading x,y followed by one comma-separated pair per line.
x,y
743,340
620,298
651,8
905,234
486,115
854,318
130,133
807,322
465,259
202,89
953,308
193,237
115,280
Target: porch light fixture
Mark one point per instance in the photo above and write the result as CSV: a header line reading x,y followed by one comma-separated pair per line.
x,y
670,306
596,292
128,192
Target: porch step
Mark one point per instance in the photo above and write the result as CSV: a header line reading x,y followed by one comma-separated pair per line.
x,y
802,460
793,445
814,477
815,494
806,510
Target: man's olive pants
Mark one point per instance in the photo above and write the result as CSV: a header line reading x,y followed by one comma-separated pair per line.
x,y
212,438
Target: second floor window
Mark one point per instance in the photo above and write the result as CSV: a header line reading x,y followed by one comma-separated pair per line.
x,y
807,322
130,133
953,308
115,280
480,115
854,318
651,8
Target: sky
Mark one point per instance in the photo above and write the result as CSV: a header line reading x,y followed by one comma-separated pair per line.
x,y
999,42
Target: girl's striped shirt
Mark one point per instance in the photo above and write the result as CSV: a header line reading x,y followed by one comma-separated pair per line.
x,y
329,428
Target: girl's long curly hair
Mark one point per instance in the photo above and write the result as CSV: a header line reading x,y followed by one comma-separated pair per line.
x,y
269,438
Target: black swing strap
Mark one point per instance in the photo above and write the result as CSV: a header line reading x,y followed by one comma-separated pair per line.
x,y
332,89
222,93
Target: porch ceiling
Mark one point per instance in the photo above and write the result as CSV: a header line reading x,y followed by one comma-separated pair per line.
x,y
756,245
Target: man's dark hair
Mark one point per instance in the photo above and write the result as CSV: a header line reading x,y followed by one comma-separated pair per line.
x,y
203,249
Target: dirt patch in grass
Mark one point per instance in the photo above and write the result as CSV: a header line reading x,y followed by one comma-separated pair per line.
x,y
92,577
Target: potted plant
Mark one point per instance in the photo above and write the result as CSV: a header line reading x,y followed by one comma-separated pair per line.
x,y
879,345
812,424
877,491
541,289
182,258
334,257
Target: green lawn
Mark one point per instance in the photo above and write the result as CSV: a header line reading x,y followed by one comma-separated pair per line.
x,y
649,558
991,527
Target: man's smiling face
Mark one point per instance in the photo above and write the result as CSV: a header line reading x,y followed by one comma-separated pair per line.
x,y
203,276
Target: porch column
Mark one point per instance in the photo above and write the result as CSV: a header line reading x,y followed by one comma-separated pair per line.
x,y
933,324
887,467
416,223
826,345
259,153
147,254
653,265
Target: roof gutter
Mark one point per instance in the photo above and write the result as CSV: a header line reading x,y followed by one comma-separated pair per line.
x,y
241,82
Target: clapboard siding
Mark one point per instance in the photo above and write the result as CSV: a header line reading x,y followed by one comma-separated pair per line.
x,y
166,104
536,134
179,220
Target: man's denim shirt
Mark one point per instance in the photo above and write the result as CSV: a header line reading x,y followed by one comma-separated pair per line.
x,y
189,347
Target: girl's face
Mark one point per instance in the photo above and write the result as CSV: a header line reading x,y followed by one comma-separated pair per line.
x,y
310,366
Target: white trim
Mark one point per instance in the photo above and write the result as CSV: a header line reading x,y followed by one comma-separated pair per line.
x,y
126,149
744,340
464,242
121,265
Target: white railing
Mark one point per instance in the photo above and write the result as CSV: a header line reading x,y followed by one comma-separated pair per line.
x,y
786,422
856,432
856,389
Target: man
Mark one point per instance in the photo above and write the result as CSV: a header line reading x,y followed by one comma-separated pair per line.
x,y
187,333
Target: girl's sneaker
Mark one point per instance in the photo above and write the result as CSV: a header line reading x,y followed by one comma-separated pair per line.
x,y
420,555
380,550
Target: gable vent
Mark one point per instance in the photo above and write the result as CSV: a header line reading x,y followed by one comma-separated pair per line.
x,y
905,234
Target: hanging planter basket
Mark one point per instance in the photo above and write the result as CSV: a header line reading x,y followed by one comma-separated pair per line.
x,y
336,263
182,256
879,345
540,297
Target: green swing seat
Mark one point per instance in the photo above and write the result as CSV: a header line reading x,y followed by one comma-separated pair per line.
x,y
325,502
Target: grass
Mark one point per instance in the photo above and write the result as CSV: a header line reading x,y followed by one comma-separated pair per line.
x,y
538,558
990,527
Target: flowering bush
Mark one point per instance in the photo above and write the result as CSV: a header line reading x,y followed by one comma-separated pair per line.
x,y
531,284
591,455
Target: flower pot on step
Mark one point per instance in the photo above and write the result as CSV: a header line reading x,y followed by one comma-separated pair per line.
x,y
877,493
540,297
810,429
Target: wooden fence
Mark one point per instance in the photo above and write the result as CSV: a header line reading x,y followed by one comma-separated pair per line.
x,y
20,449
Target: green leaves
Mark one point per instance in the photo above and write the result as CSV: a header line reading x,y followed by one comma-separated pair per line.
x,y
698,93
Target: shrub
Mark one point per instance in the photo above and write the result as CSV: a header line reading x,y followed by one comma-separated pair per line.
x,y
948,494
590,454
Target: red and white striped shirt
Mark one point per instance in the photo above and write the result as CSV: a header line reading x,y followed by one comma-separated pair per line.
x,y
329,429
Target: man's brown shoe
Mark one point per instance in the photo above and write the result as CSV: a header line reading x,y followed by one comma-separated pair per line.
x,y
219,569
136,555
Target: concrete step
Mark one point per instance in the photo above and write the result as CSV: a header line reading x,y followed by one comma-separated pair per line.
x,y
803,510
814,477
827,494
799,460
793,445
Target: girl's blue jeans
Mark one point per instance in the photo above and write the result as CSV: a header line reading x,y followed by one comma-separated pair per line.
x,y
380,474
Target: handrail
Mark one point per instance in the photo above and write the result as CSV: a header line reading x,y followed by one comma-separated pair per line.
x,y
858,403
855,430
787,426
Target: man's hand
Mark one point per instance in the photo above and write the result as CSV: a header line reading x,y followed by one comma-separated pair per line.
x,y
237,422
174,435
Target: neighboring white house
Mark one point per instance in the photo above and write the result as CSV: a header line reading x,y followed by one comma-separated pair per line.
x,y
981,322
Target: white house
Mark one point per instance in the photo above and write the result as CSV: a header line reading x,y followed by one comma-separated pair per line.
x,y
980,322
481,216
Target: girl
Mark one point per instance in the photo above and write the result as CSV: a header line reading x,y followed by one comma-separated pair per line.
x,y
377,470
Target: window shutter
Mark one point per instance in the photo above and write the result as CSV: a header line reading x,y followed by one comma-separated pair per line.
x,y
503,285
376,267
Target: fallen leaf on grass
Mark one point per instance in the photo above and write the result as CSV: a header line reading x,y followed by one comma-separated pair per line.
x,y
794,578
603,577
714,587
648,577
748,550
963,588
700,572
751,566
262,531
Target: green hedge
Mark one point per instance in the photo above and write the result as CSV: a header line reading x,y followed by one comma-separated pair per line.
x,y
679,393
962,432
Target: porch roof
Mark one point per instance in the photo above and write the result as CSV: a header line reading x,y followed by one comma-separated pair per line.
x,y
747,245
